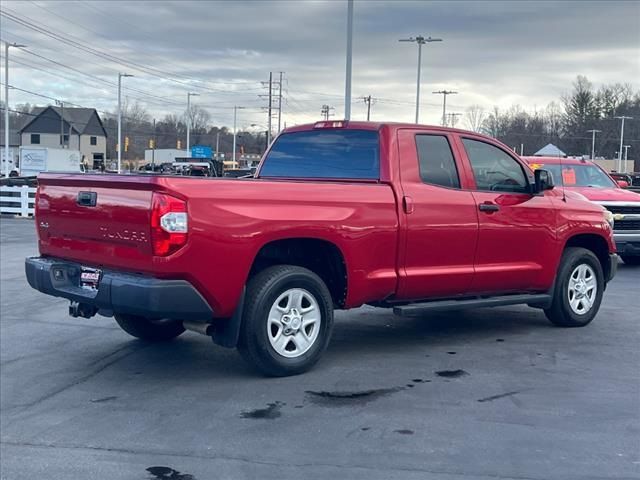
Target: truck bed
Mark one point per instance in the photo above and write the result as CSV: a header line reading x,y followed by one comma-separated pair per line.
x,y
230,221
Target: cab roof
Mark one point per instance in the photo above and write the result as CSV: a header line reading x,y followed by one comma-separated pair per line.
x,y
557,160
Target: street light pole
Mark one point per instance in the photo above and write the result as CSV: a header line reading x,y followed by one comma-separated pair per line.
x,y
120,75
626,148
444,94
6,104
420,40
623,118
189,95
235,132
347,86
593,142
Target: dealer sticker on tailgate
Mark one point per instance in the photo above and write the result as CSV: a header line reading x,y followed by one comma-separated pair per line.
x,y
90,278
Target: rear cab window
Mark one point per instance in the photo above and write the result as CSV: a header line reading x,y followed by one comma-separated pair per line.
x,y
324,154
437,165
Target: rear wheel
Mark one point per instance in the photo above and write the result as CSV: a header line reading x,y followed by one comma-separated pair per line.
x,y
578,291
631,260
147,329
287,320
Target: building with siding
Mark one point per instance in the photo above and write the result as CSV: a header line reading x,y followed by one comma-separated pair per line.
x,y
73,128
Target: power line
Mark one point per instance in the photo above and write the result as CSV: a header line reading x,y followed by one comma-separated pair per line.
x,y
76,43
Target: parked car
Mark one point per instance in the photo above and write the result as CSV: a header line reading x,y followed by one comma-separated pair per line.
x,y
632,180
341,214
591,181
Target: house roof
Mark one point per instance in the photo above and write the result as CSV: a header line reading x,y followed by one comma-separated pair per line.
x,y
80,119
550,150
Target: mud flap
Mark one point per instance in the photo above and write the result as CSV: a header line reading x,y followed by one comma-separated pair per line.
x,y
227,331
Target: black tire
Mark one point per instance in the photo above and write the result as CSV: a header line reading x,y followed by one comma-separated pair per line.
x,y
631,259
560,313
262,292
150,330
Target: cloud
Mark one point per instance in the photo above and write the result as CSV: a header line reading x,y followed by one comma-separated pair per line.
x,y
493,53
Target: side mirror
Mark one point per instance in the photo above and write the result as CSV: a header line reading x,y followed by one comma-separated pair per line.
x,y
543,180
622,183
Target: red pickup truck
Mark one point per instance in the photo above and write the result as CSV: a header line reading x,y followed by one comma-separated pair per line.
x,y
592,182
339,214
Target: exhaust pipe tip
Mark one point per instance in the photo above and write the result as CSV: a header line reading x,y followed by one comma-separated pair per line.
x,y
198,327
83,310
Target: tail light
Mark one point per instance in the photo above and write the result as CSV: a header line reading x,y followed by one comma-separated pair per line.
x,y
169,224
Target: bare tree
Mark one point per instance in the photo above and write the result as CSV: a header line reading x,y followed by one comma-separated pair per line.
x,y
474,118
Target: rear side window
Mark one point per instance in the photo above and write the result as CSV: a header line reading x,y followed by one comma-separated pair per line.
x,y
494,169
324,154
437,165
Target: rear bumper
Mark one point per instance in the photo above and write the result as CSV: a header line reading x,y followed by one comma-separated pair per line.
x,y
627,243
119,292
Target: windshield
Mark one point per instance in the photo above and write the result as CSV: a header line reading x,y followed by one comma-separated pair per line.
x,y
577,175
333,153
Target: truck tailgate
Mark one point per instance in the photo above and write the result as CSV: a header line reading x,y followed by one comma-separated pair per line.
x,y
96,219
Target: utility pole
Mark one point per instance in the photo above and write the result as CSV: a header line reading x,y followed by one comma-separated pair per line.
x,y
280,102
7,170
593,142
60,103
235,132
218,145
347,83
269,107
444,94
153,150
326,111
120,75
367,100
420,40
626,148
453,120
623,118
189,95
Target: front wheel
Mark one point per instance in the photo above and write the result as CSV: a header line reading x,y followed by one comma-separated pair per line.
x,y
631,260
287,320
578,290
147,329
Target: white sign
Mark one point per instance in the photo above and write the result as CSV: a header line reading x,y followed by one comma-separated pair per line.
x,y
33,161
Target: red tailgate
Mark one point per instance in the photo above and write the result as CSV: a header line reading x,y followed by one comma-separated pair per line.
x,y
96,219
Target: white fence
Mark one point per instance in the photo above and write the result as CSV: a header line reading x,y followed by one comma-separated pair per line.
x,y
17,200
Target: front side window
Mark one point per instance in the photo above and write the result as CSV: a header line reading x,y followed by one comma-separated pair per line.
x,y
494,169
35,139
330,154
437,165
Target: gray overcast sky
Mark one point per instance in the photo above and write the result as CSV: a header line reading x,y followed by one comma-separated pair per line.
x,y
494,53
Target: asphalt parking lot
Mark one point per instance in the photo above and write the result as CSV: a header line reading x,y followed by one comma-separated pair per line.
x,y
494,393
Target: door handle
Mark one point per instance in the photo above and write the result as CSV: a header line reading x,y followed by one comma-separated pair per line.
x,y
407,204
488,207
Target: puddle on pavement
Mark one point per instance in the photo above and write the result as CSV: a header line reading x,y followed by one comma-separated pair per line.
x,y
496,397
344,398
451,353
167,473
103,399
404,431
451,373
499,339
270,412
